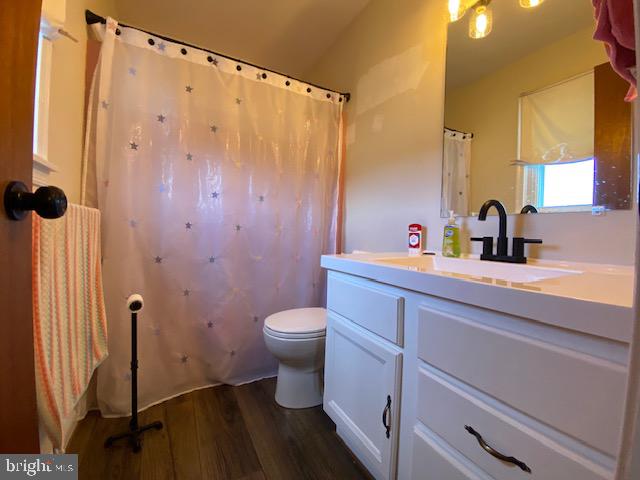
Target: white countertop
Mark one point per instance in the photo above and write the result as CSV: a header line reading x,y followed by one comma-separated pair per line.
x,y
597,301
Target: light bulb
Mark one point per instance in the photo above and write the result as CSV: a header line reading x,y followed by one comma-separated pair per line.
x,y
481,22
456,10
530,3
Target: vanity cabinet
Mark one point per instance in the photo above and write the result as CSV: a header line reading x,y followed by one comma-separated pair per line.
x,y
464,380
363,366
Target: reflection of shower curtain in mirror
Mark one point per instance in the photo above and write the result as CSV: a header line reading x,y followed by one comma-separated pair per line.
x,y
217,183
456,169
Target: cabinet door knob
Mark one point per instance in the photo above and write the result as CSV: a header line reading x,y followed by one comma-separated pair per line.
x,y
48,202
487,448
386,416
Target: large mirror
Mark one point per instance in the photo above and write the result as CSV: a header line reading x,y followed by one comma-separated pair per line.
x,y
534,113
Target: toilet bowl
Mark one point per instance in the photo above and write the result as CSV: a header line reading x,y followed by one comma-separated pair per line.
x,y
296,338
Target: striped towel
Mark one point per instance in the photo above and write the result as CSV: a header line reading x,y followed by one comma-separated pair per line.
x,y
69,320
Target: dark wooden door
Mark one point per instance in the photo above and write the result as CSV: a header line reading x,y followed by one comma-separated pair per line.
x,y
19,21
612,142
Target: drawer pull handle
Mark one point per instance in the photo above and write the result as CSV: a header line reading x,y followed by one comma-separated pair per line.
x,y
386,414
487,448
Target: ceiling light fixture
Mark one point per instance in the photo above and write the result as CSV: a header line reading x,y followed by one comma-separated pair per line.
x,y
530,3
481,21
457,10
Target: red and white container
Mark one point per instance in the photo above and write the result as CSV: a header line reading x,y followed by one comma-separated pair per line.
x,y
416,239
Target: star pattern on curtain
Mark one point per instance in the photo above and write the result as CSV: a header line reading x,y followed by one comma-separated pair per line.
x,y
166,134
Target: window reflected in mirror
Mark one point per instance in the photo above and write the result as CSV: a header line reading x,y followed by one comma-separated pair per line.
x,y
535,115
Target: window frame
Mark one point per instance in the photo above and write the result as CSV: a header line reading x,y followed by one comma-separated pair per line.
x,y
42,166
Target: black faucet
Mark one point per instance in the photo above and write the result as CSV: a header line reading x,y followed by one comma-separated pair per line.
x,y
529,209
502,254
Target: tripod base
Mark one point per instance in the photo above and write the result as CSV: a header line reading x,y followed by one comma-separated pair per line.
x,y
133,436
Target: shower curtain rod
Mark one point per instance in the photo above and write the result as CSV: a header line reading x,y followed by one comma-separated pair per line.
x,y
93,18
458,131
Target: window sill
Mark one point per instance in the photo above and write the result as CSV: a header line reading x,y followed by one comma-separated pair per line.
x,y
566,209
42,168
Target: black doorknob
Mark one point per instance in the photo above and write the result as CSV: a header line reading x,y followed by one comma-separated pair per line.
x,y
48,202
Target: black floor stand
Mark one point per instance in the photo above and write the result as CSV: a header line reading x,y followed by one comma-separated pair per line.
x,y
135,431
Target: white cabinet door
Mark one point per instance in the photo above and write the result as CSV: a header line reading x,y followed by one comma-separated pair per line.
x,y
362,393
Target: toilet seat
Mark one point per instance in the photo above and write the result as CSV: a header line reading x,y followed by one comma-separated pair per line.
x,y
293,336
297,323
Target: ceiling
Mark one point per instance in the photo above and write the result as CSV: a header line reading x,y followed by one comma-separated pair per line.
x,y
289,36
516,32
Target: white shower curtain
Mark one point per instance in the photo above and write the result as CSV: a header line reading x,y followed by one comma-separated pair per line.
x,y
218,186
456,168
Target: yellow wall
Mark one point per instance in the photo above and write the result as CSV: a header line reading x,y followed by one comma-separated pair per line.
x,y
66,114
391,58
489,109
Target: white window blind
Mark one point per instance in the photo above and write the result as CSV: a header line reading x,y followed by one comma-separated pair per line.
x,y
557,122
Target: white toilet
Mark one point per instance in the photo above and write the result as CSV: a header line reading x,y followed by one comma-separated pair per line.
x,y
296,339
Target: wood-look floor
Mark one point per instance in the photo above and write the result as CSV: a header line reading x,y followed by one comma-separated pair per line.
x,y
223,433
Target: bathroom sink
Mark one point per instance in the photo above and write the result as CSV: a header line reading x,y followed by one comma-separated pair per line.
x,y
509,272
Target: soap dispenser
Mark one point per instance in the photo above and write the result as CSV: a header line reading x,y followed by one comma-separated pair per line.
x,y
451,237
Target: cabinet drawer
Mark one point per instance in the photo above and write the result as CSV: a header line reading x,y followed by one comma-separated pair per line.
x,y
573,392
446,409
365,303
432,460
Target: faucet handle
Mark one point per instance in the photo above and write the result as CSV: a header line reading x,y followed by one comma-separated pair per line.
x,y
487,245
518,245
